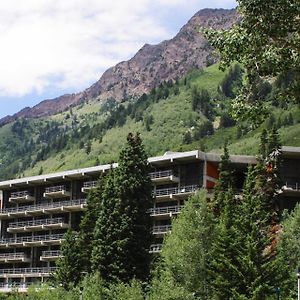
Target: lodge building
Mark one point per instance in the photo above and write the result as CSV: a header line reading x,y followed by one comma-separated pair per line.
x,y
35,212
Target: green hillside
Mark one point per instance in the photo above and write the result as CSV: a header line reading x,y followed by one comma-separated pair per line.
x,y
176,116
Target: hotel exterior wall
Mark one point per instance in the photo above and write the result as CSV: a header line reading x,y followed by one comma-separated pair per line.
x,y
175,176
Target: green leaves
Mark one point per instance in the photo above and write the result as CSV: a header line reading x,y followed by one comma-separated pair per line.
x,y
266,42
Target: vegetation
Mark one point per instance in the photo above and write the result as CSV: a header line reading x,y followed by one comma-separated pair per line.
x,y
114,237
122,234
213,252
92,134
266,42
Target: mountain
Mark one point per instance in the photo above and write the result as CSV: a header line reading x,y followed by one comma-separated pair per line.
x,y
173,117
151,65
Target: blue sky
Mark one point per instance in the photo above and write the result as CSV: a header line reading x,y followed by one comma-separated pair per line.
x,y
52,47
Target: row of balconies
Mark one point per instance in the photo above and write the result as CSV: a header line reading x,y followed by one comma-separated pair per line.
x,y
61,191
27,272
77,205
43,208
31,241
37,225
19,257
56,239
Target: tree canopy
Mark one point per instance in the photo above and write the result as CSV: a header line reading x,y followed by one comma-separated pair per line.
x,y
266,41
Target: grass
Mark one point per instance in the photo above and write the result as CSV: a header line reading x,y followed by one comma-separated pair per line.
x,y
172,118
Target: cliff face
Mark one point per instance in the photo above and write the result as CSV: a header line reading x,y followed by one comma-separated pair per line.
x,y
151,65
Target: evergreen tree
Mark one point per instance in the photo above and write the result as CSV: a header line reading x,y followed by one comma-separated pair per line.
x,y
69,266
224,269
122,233
289,250
263,144
255,258
88,147
87,224
224,183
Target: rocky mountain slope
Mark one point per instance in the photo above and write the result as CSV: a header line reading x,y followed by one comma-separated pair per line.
x,y
151,65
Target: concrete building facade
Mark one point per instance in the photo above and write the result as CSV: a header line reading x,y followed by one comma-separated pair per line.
x,y
35,212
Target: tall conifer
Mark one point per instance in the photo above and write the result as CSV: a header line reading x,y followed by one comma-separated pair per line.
x,y
224,183
69,267
122,233
87,224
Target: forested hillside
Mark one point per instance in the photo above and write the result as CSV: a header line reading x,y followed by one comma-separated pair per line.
x,y
190,113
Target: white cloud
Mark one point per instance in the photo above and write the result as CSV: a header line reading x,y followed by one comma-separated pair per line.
x,y
69,43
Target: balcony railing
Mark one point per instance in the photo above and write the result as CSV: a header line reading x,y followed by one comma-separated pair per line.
x,y
19,194
41,271
155,248
161,229
176,190
44,206
51,253
165,210
161,174
32,239
34,223
55,189
37,224
12,256
90,184
292,186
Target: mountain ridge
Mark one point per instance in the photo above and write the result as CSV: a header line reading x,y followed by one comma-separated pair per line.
x,y
149,67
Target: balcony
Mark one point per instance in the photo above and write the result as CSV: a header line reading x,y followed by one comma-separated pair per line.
x,y
20,287
37,225
27,272
88,185
45,208
59,191
155,248
161,229
18,257
165,211
50,255
20,197
164,177
31,241
292,189
175,193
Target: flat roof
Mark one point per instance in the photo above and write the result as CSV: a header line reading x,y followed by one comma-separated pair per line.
x,y
168,157
290,151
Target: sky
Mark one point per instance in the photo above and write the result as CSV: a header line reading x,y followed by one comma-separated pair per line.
x,y
52,47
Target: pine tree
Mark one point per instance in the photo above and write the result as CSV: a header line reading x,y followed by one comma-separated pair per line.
x,y
224,269
256,258
263,144
122,233
224,183
69,266
87,224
